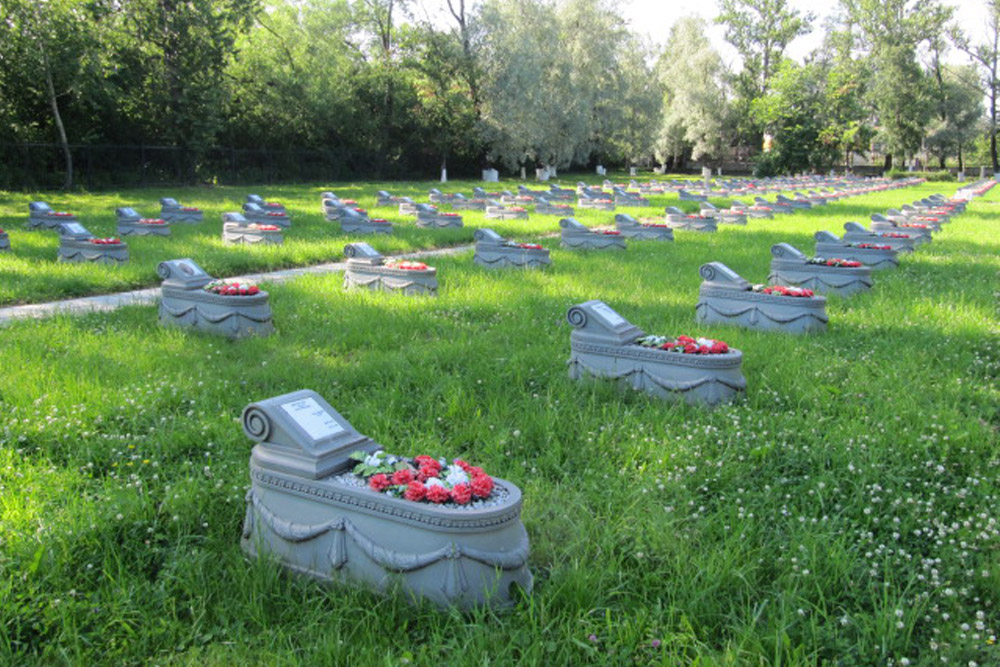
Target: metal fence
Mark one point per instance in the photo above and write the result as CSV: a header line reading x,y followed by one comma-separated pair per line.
x,y
37,166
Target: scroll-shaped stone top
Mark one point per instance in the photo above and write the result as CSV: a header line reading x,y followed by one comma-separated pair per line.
x,y
783,198
234,217
506,193
433,191
39,207
405,200
251,207
761,201
787,251
625,219
383,194
362,253
896,211
478,192
543,200
878,217
673,210
717,274
619,191
855,227
74,230
737,204
329,195
459,196
826,237
126,212
183,273
255,199
484,235
346,212
709,206
596,322
426,208
572,225
168,201
300,433
493,202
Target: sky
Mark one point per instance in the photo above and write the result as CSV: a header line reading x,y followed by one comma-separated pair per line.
x,y
653,18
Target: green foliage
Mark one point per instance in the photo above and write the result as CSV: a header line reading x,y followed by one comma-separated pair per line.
x,y
943,176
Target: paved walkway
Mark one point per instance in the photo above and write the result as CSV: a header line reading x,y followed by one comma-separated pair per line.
x,y
100,302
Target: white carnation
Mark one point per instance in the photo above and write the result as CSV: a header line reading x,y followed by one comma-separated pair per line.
x,y
456,476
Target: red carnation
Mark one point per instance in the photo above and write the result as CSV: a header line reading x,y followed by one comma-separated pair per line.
x,y
461,464
474,471
401,477
690,348
415,491
426,472
461,494
438,494
482,486
378,482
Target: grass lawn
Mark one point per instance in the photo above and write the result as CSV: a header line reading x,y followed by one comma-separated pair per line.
x,y
845,512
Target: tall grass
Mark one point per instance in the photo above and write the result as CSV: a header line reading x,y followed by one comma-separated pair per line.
x,y
843,513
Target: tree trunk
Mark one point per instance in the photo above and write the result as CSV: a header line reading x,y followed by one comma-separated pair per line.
x,y
888,162
57,117
993,130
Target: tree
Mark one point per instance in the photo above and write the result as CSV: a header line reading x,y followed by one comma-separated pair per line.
x,y
169,65
986,56
760,31
889,33
795,112
958,111
694,118
44,48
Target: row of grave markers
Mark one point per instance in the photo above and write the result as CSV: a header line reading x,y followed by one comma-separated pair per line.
x,y
309,505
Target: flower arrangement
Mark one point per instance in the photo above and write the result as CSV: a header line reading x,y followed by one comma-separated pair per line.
x,y
835,261
423,478
276,214
272,204
406,265
222,288
654,224
152,221
190,208
379,221
895,235
914,225
608,232
523,246
684,344
348,202
1,230
524,198
450,215
360,210
262,228
871,246
111,241
517,209
783,290
61,214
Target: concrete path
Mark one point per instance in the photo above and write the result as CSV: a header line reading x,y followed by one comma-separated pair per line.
x,y
89,304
